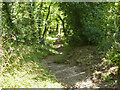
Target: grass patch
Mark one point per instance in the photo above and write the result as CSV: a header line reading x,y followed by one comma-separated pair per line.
x,y
61,58
21,68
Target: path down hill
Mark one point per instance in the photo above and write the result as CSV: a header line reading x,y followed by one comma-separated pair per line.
x,y
69,76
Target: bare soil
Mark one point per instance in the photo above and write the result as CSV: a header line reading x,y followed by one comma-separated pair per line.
x,y
77,71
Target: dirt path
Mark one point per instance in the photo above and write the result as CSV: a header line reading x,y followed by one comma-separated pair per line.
x,y
69,76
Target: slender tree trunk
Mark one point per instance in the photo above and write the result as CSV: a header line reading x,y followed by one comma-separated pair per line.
x,y
57,27
63,24
39,21
45,30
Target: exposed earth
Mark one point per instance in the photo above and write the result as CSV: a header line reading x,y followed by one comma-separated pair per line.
x,y
78,71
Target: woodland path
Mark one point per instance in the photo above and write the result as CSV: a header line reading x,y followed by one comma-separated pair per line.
x,y
69,76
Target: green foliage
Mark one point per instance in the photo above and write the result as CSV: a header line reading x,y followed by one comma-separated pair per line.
x,y
114,54
21,67
29,29
114,57
106,77
89,23
29,22
24,43
106,43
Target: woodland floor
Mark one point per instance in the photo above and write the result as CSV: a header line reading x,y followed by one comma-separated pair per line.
x,y
79,74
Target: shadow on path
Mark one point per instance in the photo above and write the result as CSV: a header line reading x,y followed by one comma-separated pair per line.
x,y
69,76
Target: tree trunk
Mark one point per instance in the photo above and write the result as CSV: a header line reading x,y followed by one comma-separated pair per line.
x,y
45,30
57,28
63,24
39,21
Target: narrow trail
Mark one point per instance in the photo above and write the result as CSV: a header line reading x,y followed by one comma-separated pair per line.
x,y
69,76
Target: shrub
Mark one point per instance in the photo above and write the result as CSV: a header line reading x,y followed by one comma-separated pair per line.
x,y
114,54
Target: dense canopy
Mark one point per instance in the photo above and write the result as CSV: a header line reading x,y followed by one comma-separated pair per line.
x,y
30,31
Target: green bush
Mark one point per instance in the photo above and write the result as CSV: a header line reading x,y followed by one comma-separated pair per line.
x,y
114,54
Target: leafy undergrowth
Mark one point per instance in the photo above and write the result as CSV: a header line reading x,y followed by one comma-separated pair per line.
x,y
92,61
22,67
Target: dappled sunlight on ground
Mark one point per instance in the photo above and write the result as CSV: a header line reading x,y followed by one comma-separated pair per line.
x,y
105,76
82,67
58,45
69,76
31,75
26,71
86,84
